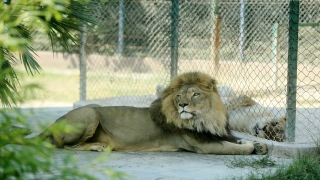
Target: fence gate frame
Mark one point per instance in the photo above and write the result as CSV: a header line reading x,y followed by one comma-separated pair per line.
x,y
292,55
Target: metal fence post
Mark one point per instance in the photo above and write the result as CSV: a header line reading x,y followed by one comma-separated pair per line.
x,y
174,37
121,26
275,32
83,64
292,69
216,42
242,30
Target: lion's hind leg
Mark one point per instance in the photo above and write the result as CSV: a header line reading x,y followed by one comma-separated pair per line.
x,y
92,146
85,122
238,102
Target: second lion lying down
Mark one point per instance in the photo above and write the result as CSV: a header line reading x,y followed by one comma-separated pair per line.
x,y
246,115
189,116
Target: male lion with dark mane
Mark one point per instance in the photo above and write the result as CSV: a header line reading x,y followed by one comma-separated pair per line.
x,y
188,116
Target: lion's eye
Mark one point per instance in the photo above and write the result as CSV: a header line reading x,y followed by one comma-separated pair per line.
x,y
178,96
196,94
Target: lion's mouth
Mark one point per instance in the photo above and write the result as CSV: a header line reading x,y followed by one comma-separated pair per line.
x,y
256,129
186,115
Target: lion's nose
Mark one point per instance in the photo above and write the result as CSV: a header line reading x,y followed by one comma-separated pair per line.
x,y
183,104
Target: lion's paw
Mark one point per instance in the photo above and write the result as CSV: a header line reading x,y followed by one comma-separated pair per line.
x,y
260,148
98,147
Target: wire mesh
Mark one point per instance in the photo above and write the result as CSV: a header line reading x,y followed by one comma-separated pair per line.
x,y
243,43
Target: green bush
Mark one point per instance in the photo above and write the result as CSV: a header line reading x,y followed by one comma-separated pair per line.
x,y
33,159
303,167
59,21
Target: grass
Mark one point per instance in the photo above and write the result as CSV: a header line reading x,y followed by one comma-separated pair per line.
x,y
60,83
63,86
306,166
60,86
53,87
118,84
262,162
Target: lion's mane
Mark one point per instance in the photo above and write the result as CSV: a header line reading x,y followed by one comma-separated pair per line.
x,y
212,125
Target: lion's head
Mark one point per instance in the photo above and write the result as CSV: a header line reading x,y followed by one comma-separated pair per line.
x,y
272,129
191,101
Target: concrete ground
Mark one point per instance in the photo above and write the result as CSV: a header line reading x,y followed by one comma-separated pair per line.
x,y
149,165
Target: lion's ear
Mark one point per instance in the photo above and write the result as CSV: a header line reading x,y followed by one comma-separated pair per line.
x,y
159,90
167,91
213,82
284,119
213,85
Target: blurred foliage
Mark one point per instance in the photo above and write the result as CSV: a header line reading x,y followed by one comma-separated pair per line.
x,y
34,159
58,19
147,28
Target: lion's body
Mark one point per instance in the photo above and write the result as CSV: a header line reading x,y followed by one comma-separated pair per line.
x,y
189,116
246,115
122,128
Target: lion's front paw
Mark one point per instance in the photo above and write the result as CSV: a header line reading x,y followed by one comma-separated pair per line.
x,y
260,148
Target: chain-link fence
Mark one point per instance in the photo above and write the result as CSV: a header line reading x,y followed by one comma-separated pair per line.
x,y
248,45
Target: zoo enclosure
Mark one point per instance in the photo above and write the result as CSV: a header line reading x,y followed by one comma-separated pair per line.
x,y
268,50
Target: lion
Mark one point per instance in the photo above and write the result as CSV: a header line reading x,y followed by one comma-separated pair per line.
x,y
189,116
248,116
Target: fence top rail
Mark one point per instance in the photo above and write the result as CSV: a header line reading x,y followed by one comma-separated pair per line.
x,y
267,3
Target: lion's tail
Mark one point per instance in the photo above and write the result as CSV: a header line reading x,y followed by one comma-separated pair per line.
x,y
51,138
23,131
16,134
